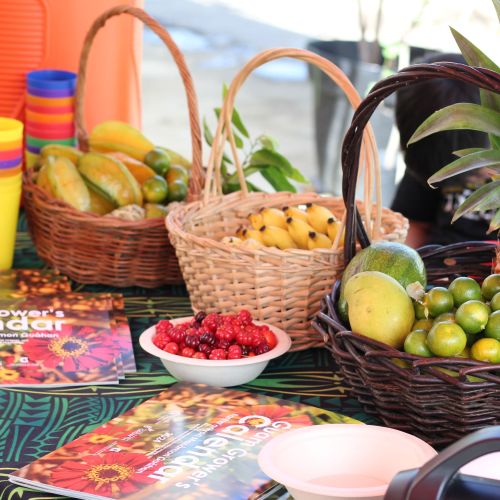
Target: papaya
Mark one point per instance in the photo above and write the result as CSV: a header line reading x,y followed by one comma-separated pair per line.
x,y
66,183
98,204
69,152
110,178
397,260
43,181
139,170
114,135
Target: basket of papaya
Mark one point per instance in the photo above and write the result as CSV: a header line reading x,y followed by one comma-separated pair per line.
x,y
96,213
416,334
274,254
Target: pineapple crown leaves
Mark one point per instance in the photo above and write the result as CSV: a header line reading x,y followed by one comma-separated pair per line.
x,y
484,117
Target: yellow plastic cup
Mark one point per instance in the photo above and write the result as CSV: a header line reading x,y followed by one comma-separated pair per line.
x,y
10,198
11,130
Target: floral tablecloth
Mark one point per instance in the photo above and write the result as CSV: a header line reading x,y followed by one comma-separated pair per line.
x,y
34,422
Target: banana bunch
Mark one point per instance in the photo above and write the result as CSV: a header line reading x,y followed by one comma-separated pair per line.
x,y
291,227
123,169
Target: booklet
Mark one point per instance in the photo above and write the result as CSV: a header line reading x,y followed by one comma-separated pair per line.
x,y
15,282
190,442
55,340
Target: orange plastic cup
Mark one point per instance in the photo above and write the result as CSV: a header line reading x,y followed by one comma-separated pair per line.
x,y
35,117
49,102
10,172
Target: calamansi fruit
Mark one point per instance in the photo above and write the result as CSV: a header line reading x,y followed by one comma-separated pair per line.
x,y
472,316
464,289
495,302
486,350
492,329
438,300
176,172
422,324
446,339
177,191
415,343
449,316
155,189
490,286
158,160
420,311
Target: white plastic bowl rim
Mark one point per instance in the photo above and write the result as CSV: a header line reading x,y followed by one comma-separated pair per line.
x,y
268,464
283,345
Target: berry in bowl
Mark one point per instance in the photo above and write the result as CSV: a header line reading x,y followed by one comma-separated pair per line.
x,y
216,349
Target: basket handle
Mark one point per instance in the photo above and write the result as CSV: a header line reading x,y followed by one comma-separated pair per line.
x,y
196,178
351,147
369,154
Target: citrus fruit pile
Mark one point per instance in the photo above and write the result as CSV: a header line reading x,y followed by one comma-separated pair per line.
x,y
215,336
462,320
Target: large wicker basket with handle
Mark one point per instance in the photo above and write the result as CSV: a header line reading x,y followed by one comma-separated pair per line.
x,y
282,287
437,399
106,250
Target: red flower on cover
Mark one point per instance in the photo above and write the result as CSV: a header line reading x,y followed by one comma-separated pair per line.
x,y
111,475
98,438
73,349
275,412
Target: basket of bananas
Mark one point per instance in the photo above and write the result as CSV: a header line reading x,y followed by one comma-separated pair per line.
x,y
96,213
275,254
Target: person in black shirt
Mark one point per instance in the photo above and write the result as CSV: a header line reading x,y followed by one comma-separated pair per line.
x,y
430,210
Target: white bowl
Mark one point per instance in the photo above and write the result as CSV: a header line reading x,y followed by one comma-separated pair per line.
x,y
221,373
341,461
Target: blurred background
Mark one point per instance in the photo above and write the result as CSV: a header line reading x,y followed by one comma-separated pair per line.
x,y
296,106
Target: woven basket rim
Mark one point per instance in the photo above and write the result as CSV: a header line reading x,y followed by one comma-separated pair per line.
x,y
175,220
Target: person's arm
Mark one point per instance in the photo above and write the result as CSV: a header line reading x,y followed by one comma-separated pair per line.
x,y
418,233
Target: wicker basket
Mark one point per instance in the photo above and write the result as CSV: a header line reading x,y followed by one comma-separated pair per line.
x,y
95,249
283,288
414,394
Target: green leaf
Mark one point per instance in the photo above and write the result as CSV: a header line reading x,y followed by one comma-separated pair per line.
x,y
463,152
207,134
495,222
496,4
487,197
238,123
247,171
225,90
488,158
277,179
458,117
266,156
473,55
268,142
253,187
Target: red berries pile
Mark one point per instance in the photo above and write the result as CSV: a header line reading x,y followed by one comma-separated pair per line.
x,y
215,336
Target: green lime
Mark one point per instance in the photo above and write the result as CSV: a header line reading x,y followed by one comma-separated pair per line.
x,y
155,189
486,350
490,286
464,289
415,343
492,329
176,172
438,300
422,324
446,339
472,316
419,310
155,210
158,160
495,302
449,316
177,191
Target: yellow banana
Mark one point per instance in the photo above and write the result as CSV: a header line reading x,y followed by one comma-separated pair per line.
x,y
248,233
317,217
251,243
333,227
256,221
295,212
318,240
273,217
299,231
273,236
232,240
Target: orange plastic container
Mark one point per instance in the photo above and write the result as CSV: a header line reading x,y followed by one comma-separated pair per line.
x,y
37,34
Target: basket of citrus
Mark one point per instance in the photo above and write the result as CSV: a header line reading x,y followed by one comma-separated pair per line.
x,y
416,334
96,213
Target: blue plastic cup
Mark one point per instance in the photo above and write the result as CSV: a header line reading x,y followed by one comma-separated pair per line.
x,y
50,93
52,79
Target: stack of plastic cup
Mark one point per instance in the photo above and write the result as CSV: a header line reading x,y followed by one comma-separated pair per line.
x,y
11,160
50,100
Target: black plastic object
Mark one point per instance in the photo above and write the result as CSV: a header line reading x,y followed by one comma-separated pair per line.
x,y
438,479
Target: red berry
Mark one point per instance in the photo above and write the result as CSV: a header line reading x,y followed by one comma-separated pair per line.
x,y
161,340
164,326
244,338
199,355
269,337
211,322
218,354
251,354
188,352
200,317
245,317
234,352
192,341
262,348
208,338
177,334
172,348
205,349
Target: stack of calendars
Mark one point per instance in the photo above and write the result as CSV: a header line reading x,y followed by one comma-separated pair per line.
x,y
53,336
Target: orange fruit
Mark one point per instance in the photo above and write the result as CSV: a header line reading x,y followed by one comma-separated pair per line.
x,y
176,172
490,286
438,300
158,160
155,189
415,343
492,329
495,302
446,339
464,289
177,191
422,324
472,316
449,316
420,312
486,350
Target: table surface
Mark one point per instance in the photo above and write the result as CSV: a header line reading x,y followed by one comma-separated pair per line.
x,y
35,421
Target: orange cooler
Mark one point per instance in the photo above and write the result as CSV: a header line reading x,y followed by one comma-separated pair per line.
x,y
38,34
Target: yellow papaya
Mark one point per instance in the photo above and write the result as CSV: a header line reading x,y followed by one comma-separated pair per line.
x,y
43,181
66,183
69,152
98,204
110,178
139,170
